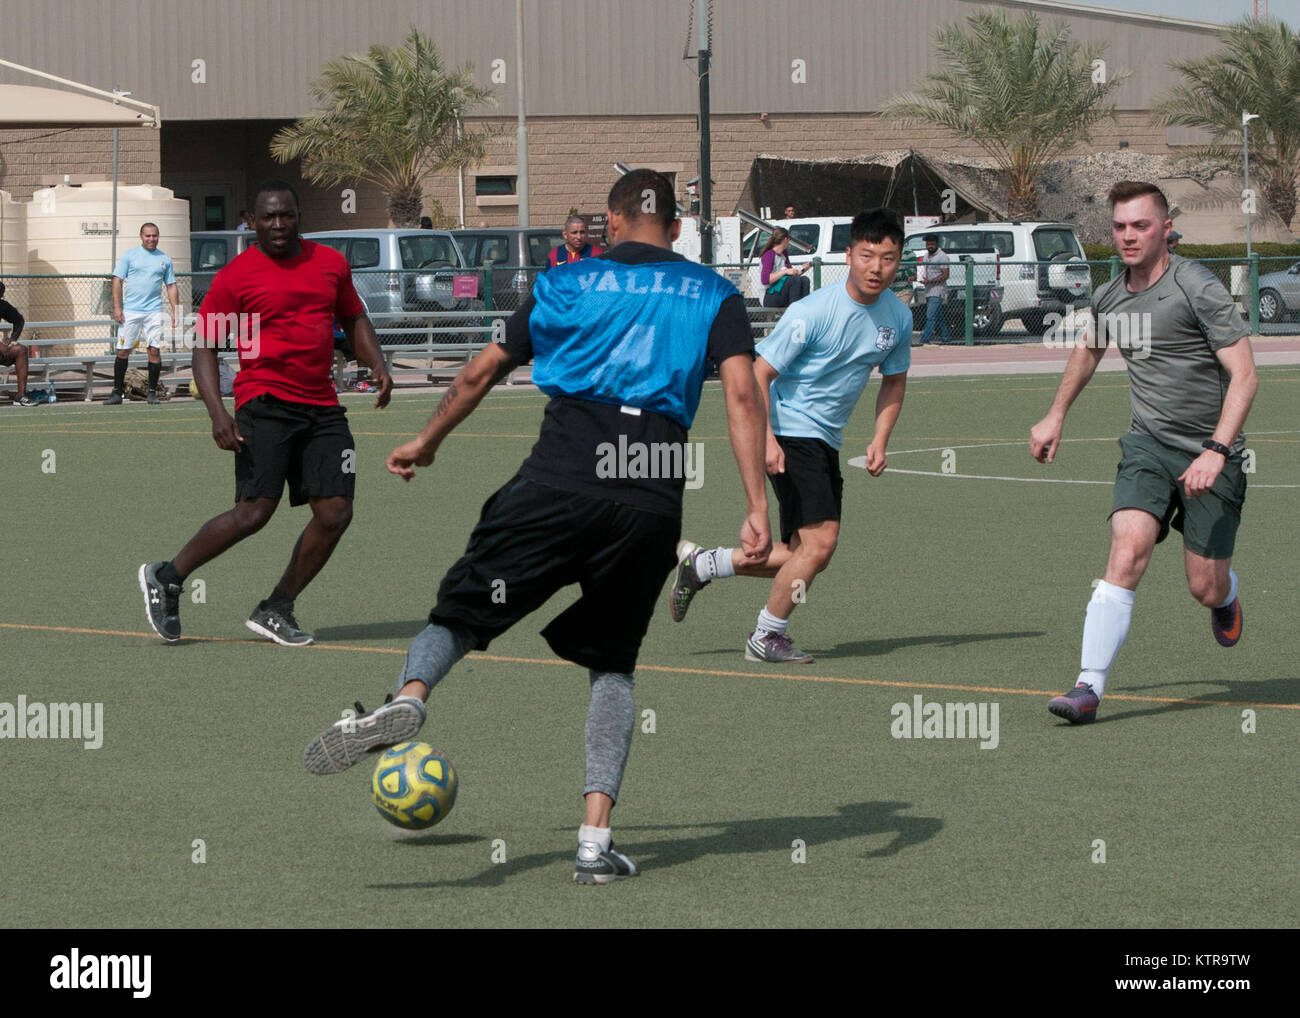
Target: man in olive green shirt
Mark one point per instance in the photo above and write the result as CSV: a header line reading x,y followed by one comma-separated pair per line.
x,y
1192,380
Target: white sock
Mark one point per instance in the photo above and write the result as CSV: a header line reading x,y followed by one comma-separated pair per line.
x,y
770,624
714,565
594,835
1106,625
1232,591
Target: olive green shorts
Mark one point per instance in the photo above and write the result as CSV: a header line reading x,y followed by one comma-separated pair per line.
x,y
1148,479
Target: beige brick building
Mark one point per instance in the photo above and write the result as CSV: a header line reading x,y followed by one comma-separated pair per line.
x,y
806,92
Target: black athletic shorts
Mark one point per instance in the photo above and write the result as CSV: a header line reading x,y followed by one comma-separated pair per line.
x,y
309,446
812,488
531,540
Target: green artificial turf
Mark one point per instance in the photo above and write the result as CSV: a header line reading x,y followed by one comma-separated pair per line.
x,y
951,588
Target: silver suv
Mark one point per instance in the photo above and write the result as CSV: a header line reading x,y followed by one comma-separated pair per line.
x,y
514,254
400,274
210,252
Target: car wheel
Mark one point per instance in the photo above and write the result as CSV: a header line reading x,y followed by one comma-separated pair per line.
x,y
1033,322
988,321
1270,306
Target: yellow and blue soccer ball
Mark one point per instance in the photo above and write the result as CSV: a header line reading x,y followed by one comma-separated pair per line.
x,y
414,785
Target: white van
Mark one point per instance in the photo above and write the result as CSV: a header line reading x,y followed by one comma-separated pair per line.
x,y
1060,279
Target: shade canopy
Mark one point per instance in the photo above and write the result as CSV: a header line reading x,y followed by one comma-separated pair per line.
x,y
26,106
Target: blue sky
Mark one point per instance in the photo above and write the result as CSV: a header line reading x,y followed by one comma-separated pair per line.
x,y
1205,10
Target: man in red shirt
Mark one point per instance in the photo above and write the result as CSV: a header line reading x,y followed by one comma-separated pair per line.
x,y
280,299
575,246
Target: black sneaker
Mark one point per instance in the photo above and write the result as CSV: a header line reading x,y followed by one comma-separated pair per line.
x,y
26,401
1078,706
596,867
114,399
278,625
152,397
345,742
162,602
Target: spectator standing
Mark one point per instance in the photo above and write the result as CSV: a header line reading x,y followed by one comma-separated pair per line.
x,y
575,247
934,274
138,281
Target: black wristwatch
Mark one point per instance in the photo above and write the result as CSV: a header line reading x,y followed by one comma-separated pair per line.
x,y
1218,447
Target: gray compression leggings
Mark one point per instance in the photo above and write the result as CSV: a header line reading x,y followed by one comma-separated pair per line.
x,y
610,718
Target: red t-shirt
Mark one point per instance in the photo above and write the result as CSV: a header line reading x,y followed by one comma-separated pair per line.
x,y
288,349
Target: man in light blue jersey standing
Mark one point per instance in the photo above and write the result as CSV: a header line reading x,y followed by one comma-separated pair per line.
x,y
138,282
811,370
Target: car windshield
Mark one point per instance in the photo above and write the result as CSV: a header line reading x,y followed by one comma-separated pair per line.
x,y
1049,244
804,233
540,244
427,252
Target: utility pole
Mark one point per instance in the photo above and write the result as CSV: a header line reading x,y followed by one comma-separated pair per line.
x,y
706,185
521,132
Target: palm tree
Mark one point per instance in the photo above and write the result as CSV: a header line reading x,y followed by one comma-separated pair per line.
x,y
391,118
1023,97
1258,71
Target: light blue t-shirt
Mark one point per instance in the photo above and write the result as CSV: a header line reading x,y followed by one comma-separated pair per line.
x,y
144,274
823,349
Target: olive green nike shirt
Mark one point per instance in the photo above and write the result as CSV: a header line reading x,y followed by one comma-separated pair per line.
x,y
1168,333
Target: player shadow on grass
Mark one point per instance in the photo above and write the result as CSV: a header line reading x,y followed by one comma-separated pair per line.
x,y
771,836
1242,694
875,648
373,631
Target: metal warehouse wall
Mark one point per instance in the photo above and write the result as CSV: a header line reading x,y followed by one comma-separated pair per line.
x,y
584,57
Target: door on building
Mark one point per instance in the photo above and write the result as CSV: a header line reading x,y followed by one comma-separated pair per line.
x,y
211,204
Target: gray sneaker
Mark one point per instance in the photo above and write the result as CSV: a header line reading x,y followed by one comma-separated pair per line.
x,y
771,647
687,582
152,397
161,602
114,399
279,626
345,742
596,867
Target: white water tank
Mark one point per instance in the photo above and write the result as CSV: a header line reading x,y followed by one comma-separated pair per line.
x,y
13,250
69,239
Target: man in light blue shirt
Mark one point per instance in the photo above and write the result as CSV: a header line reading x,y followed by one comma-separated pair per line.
x,y
812,369
138,281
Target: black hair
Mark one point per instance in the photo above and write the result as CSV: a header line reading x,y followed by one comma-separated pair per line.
x,y
876,225
276,185
932,237
629,196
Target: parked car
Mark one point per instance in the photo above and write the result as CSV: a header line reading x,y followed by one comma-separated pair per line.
x,y
514,255
210,252
1279,294
984,267
1059,280
824,237
400,273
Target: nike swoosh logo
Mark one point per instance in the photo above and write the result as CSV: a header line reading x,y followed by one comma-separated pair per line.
x,y
1162,296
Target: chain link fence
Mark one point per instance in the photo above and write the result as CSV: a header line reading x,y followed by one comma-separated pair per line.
x,y
1016,302
1005,302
